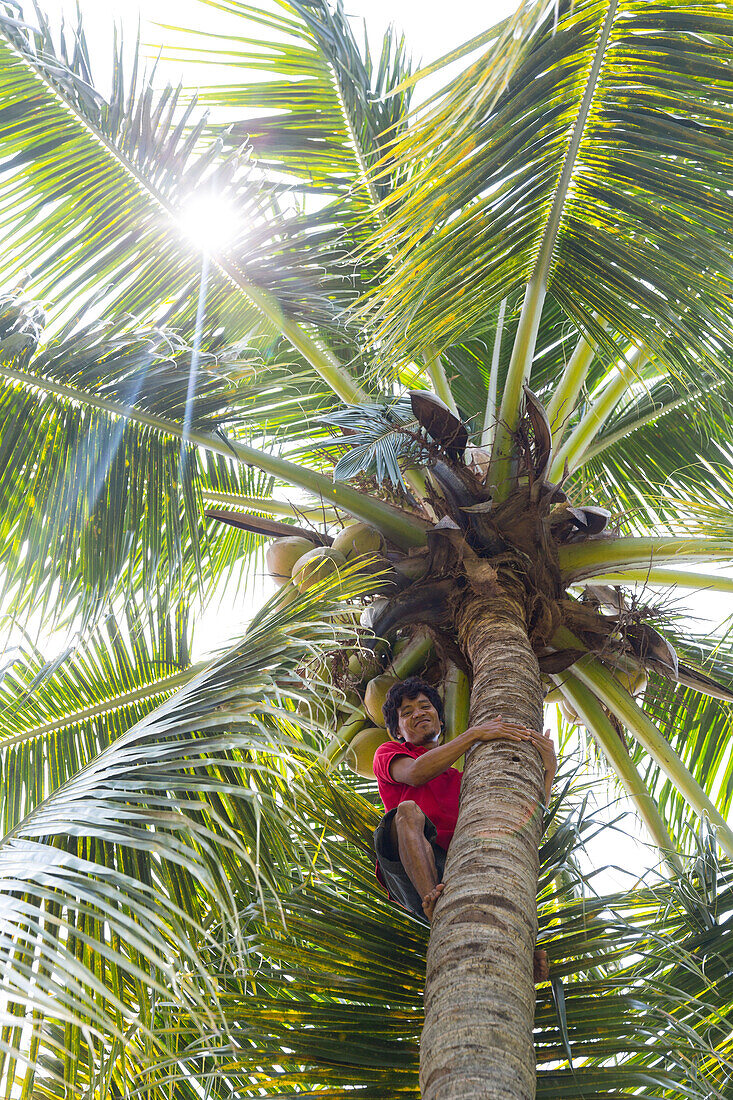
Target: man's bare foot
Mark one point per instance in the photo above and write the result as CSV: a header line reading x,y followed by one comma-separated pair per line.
x,y
541,966
428,902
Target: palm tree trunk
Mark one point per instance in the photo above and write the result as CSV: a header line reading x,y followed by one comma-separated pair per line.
x,y
477,1043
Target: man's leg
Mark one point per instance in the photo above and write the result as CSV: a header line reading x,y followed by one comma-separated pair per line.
x,y
416,854
417,857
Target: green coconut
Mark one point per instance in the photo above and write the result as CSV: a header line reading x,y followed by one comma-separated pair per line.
x,y
282,555
364,665
360,753
375,694
358,539
634,680
347,705
316,566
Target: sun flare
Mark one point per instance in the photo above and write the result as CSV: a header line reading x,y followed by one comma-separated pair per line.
x,y
209,221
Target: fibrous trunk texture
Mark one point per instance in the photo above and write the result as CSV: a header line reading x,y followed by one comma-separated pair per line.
x,y
477,1041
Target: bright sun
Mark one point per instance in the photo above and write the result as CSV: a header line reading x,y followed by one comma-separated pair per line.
x,y
209,221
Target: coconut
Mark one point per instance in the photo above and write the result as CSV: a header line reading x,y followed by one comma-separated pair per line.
x,y
634,680
347,705
282,555
568,712
358,539
375,694
360,753
364,665
316,566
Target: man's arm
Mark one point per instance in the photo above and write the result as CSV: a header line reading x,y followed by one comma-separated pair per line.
x,y
415,773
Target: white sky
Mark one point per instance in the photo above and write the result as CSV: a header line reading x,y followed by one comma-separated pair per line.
x,y
431,28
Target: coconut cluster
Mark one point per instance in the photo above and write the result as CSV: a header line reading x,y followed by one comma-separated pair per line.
x,y
298,559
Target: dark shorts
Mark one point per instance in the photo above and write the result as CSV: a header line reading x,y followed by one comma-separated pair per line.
x,y
393,875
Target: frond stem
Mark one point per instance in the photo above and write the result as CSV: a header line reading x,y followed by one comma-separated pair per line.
x,y
648,418
668,578
601,556
594,717
489,427
264,504
404,530
602,683
436,374
520,365
565,396
606,398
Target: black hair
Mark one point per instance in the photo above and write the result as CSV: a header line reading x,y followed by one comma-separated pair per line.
x,y
408,689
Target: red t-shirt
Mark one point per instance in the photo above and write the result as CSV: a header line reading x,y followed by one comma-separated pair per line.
x,y
438,798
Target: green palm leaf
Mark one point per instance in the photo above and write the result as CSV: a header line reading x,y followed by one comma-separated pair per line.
x,y
57,716
307,1024
379,436
121,231
123,499
187,802
497,153
557,216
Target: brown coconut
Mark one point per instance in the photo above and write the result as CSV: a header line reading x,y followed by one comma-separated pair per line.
x,y
360,754
281,556
316,566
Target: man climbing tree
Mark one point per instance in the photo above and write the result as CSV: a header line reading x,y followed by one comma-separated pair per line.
x,y
420,790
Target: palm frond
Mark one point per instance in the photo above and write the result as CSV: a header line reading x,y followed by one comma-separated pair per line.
x,y
74,477
126,879
493,153
160,133
97,220
325,112
303,1025
698,729
57,715
95,446
378,436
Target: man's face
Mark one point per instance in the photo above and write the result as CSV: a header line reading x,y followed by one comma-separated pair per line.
x,y
418,721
